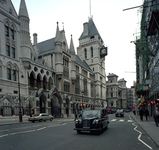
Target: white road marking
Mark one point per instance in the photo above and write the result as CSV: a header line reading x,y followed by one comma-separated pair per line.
x,y
139,137
140,134
130,121
28,131
3,135
41,129
121,120
114,120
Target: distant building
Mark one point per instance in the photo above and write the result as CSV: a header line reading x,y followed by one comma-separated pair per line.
x,y
116,91
48,76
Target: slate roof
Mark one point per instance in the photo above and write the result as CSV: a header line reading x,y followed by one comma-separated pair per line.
x,y
92,30
46,47
83,64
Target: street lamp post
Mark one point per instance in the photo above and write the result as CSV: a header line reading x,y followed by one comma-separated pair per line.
x,y
82,99
20,103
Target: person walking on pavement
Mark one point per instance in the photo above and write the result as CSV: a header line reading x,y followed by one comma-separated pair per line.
x,y
156,114
146,112
141,112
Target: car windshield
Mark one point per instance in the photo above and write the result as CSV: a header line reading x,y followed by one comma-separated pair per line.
x,y
90,114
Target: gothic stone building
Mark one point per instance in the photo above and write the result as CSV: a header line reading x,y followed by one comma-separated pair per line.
x,y
48,76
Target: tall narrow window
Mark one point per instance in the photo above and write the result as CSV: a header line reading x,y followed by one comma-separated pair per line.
x,y
8,50
13,52
91,51
9,74
12,34
14,75
7,31
85,53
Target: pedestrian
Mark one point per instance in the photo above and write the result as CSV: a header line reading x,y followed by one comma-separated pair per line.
x,y
75,113
156,115
141,112
146,113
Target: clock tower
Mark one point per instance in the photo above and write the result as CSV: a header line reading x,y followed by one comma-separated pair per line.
x,y
92,50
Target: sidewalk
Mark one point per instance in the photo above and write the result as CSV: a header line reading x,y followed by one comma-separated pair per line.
x,y
149,127
15,120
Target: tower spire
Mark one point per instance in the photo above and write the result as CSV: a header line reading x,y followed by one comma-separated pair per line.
x,y
23,9
90,8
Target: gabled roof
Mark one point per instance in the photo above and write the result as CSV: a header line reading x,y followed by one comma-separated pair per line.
x,y
83,64
92,30
46,47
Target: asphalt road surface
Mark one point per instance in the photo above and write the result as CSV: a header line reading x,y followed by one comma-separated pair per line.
x,y
122,134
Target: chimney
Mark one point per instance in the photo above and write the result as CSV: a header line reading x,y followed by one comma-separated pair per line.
x,y
35,39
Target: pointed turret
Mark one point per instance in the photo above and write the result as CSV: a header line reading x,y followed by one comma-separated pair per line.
x,y
26,49
72,49
58,34
23,9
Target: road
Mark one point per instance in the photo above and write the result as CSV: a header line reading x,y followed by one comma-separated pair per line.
x,y
59,135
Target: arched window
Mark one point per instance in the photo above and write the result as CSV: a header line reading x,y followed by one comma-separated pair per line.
x,y
50,84
15,72
85,53
9,72
10,34
91,51
39,78
44,83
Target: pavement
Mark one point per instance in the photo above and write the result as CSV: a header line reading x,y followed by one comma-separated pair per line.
x,y
8,120
149,127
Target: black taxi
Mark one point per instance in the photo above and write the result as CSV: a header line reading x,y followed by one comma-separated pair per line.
x,y
92,120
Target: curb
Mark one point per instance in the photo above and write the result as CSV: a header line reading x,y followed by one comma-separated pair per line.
x,y
134,118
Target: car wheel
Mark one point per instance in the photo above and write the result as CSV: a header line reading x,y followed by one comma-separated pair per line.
x,y
33,121
40,120
51,119
78,131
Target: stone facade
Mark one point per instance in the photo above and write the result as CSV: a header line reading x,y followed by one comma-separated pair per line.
x,y
116,92
48,76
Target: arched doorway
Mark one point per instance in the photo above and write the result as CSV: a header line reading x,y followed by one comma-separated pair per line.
x,y
42,103
56,103
32,79
50,83
39,78
44,83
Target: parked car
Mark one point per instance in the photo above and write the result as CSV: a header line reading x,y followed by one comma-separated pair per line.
x,y
119,113
41,117
92,121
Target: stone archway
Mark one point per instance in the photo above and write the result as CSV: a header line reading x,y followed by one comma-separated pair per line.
x,y
42,103
56,103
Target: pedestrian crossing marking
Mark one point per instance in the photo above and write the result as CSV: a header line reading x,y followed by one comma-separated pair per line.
x,y
130,121
121,120
114,120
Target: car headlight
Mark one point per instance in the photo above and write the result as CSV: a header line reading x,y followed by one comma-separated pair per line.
x,y
96,121
78,120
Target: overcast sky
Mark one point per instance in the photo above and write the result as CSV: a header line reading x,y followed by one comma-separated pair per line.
x,y
116,27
